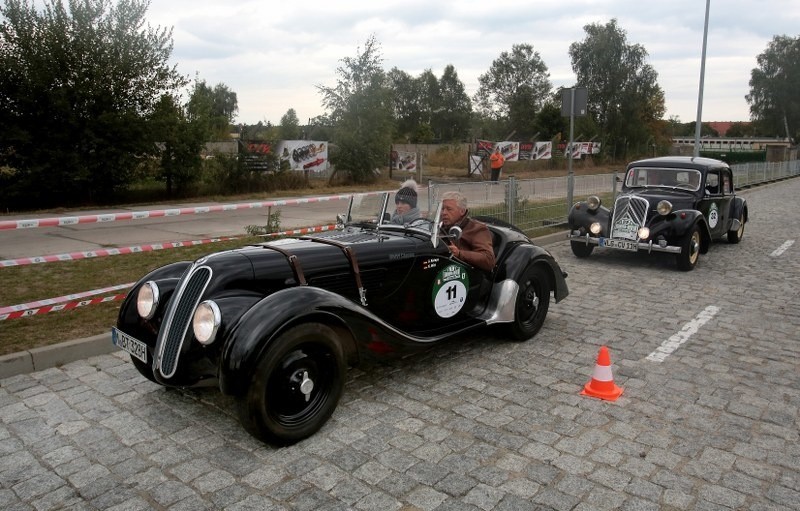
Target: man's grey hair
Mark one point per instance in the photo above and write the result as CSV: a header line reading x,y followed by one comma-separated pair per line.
x,y
460,198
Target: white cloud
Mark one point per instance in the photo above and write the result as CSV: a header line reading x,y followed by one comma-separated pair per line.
x,y
273,55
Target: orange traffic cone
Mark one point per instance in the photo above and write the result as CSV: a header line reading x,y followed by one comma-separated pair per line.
x,y
602,383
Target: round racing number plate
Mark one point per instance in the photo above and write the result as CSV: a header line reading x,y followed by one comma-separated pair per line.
x,y
450,290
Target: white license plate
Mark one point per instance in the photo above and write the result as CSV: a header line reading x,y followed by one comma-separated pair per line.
x,y
127,343
630,246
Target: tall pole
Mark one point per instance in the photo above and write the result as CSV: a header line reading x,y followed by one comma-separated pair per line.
x,y
699,122
570,175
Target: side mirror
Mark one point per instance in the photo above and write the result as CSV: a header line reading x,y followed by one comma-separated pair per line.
x,y
455,233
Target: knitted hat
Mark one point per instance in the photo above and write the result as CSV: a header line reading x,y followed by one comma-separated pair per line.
x,y
407,193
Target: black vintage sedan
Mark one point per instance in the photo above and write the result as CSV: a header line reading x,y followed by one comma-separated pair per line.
x,y
276,324
674,204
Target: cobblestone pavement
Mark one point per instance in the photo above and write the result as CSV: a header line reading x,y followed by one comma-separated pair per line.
x,y
479,424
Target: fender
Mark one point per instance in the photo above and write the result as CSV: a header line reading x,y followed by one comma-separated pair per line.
x,y
739,209
523,256
249,339
678,227
581,216
167,278
252,333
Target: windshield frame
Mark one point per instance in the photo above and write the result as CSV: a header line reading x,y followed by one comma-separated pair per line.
x,y
669,178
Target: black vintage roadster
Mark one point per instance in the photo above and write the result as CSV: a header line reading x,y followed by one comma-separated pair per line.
x,y
673,204
276,324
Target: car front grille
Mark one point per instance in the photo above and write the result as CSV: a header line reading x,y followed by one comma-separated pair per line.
x,y
630,207
179,316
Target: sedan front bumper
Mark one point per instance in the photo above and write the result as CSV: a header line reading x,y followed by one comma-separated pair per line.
x,y
647,246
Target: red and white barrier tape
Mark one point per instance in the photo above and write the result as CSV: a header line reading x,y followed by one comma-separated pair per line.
x,y
60,307
305,230
140,215
110,251
65,298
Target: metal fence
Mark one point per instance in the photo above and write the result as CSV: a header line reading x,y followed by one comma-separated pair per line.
x,y
540,206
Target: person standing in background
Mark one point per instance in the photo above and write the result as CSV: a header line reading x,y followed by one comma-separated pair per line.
x,y
497,160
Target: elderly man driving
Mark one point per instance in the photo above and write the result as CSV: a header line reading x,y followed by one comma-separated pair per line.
x,y
475,244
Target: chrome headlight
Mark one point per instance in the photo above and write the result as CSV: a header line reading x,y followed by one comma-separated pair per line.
x,y
643,233
664,207
147,300
206,321
595,228
593,202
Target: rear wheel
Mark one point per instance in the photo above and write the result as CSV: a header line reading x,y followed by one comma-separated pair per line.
x,y
690,250
581,249
296,386
737,235
533,301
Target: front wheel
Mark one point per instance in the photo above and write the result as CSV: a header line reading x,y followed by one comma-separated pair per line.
x,y
690,250
581,249
533,301
296,386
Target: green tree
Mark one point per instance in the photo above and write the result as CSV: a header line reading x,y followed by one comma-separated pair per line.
x,y
361,107
774,102
215,108
405,94
624,96
80,81
290,126
452,119
514,89
181,141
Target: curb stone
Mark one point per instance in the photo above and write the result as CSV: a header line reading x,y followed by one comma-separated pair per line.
x,y
38,359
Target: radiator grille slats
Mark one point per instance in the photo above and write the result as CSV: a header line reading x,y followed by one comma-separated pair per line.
x,y
184,303
633,207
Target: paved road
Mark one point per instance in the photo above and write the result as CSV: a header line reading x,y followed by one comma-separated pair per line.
x,y
480,424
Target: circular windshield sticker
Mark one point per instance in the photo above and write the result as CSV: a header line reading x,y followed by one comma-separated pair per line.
x,y
450,290
713,215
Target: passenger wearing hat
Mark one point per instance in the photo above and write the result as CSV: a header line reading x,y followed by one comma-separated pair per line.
x,y
406,202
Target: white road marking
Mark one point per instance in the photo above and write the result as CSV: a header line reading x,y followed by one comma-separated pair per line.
x,y
783,248
688,330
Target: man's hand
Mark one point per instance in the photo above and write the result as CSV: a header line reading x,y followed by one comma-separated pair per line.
x,y
455,250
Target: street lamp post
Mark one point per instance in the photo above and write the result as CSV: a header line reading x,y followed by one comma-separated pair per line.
x,y
699,122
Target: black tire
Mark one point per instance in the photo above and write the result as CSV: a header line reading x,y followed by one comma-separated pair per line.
x,y
145,370
533,301
737,235
690,250
276,407
581,249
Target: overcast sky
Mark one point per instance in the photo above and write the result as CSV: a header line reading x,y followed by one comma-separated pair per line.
x,y
273,54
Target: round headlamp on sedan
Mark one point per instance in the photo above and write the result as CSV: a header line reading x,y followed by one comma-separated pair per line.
x,y
664,207
643,233
595,228
206,321
147,300
593,202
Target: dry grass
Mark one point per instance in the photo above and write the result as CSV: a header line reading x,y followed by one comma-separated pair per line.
x,y
23,284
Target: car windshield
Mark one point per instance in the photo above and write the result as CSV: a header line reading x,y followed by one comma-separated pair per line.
x,y
377,209
673,178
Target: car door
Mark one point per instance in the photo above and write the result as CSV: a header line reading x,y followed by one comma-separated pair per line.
x,y
715,205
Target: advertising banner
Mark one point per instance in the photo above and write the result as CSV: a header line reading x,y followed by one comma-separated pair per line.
x,y
543,151
304,154
484,147
526,150
509,150
404,161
